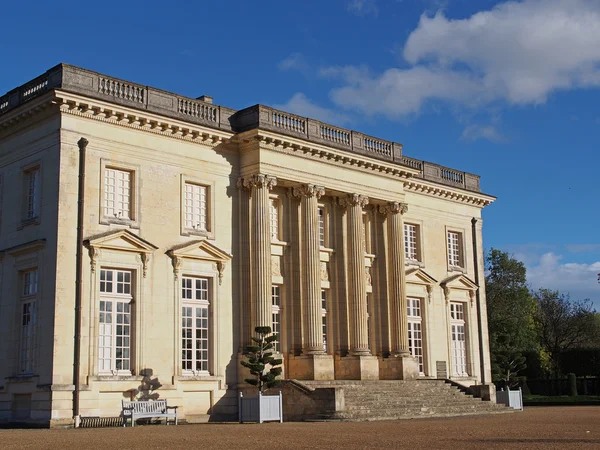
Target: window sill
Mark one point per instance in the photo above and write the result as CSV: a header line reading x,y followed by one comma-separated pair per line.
x,y
457,269
413,262
29,222
205,377
107,377
21,378
326,250
116,221
192,232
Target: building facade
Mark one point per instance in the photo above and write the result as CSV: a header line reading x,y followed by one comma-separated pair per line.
x,y
144,235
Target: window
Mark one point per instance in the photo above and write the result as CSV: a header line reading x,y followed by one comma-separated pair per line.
x,y
194,325
459,341
276,310
411,242
274,207
32,193
415,331
454,249
324,318
115,333
196,207
117,193
322,218
28,321
366,230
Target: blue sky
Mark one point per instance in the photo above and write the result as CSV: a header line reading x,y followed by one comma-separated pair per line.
x,y
507,90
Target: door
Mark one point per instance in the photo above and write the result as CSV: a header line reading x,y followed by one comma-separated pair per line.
x,y
459,341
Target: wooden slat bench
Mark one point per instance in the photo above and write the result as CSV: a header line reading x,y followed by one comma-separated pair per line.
x,y
148,409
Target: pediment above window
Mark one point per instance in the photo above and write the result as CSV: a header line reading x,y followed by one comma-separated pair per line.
x,y
416,275
459,287
201,250
120,240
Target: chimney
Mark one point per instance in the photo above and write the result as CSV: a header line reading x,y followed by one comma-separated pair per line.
x,y
205,98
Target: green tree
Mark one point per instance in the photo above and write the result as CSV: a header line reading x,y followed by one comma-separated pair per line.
x,y
564,324
260,360
511,310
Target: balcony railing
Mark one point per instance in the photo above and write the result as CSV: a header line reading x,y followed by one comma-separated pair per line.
x,y
196,111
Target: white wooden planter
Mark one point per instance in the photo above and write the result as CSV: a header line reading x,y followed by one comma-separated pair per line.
x,y
261,408
512,399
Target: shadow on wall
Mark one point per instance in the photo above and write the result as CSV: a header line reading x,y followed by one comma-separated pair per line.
x,y
147,388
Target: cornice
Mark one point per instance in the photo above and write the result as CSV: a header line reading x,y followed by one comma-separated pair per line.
x,y
111,113
420,186
298,147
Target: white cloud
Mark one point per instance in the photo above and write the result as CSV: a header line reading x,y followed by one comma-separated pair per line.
x,y
474,132
580,280
363,7
301,105
517,52
295,61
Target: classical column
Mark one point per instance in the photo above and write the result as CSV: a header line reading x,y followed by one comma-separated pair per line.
x,y
311,267
357,283
260,241
397,281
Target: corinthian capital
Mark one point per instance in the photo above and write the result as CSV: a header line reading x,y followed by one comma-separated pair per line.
x,y
308,190
393,208
353,200
258,181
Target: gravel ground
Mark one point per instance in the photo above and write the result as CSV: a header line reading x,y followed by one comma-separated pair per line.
x,y
543,427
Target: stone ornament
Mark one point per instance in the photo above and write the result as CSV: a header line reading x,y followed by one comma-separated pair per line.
x,y
257,181
308,190
353,200
393,208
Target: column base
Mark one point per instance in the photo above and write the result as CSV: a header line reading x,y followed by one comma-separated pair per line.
x,y
398,368
357,368
311,367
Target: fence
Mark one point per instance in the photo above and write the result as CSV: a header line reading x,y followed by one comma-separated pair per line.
x,y
512,399
261,408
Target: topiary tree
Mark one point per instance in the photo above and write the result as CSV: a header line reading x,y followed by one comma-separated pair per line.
x,y
260,358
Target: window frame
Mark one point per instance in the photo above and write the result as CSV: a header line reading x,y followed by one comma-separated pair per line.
x,y
27,365
26,171
458,322
413,319
325,328
209,233
462,260
418,260
323,222
134,189
275,200
277,310
205,304
114,298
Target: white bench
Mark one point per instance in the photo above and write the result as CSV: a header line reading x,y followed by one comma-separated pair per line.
x,y
148,409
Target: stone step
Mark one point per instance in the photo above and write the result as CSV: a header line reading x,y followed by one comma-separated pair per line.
x,y
411,402
345,417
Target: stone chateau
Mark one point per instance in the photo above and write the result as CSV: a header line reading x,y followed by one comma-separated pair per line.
x,y
143,236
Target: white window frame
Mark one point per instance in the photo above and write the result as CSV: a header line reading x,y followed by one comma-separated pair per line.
x,y
412,242
31,194
455,254
324,310
276,291
416,333
112,217
195,295
323,217
275,218
28,321
190,230
458,327
117,199
119,307
366,232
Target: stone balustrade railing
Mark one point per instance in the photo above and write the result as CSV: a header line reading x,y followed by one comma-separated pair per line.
x,y
110,89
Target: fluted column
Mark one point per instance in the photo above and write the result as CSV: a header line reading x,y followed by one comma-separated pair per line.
x,y
313,338
357,283
397,277
260,241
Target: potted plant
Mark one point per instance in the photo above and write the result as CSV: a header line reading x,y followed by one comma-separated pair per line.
x,y
264,370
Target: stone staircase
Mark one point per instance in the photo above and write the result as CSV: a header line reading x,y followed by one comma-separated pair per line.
x,y
391,400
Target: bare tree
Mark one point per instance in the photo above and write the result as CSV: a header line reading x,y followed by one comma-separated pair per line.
x,y
563,324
